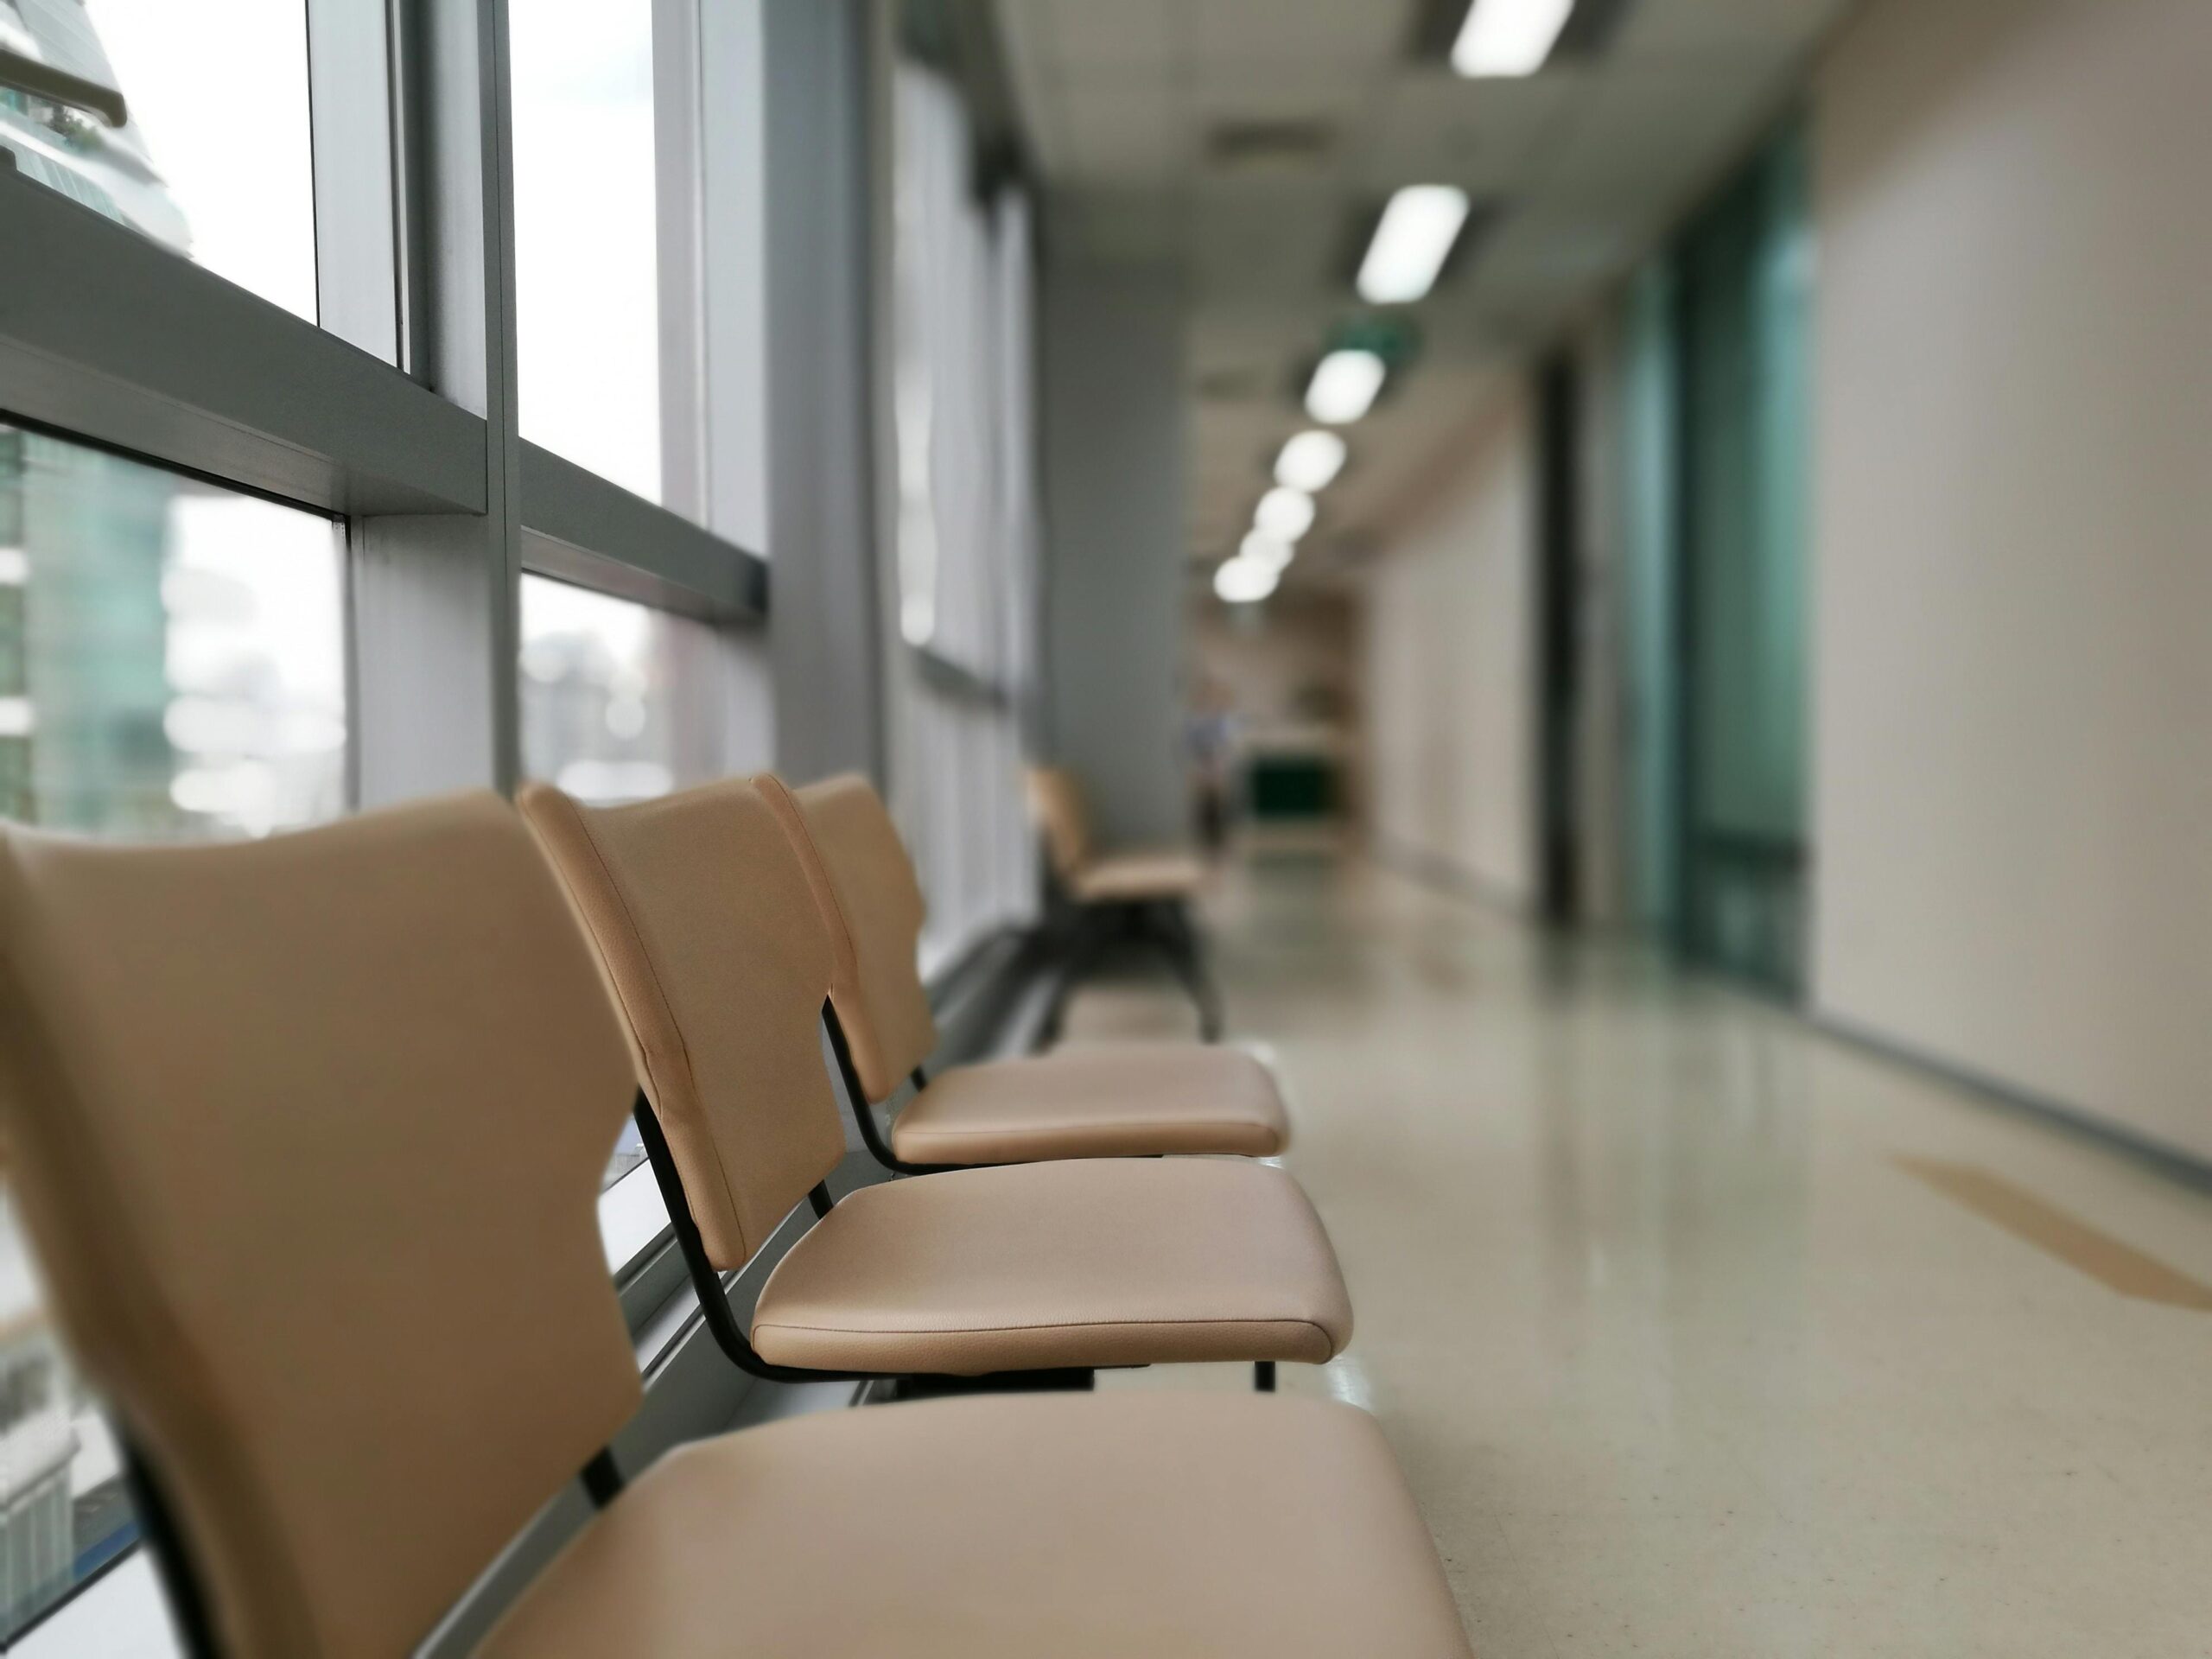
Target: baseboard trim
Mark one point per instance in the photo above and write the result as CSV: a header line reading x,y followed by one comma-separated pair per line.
x,y
2161,1157
2182,1167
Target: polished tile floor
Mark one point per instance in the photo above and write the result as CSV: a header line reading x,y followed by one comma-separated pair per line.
x,y
1682,1352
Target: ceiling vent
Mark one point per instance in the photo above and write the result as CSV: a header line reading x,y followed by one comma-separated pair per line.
x,y
1269,146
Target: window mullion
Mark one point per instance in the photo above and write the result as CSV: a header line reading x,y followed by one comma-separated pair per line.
x,y
350,112
435,599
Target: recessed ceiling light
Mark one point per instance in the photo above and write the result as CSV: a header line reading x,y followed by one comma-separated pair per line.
x,y
1416,232
1344,386
1242,582
1260,548
1508,37
1311,461
1283,513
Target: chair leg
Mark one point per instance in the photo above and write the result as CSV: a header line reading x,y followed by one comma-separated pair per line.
x,y
1179,941
1075,1379
1263,1375
1083,956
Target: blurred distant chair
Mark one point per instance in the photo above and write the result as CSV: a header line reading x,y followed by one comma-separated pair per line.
x,y
1120,1100
1142,894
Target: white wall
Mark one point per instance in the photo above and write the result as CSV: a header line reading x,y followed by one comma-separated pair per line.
x,y
1115,458
2013,602
1449,675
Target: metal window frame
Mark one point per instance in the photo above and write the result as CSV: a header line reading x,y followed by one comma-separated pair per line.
x,y
399,414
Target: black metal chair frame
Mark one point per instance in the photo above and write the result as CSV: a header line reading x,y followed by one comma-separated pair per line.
x,y
601,1477
1163,924
1263,1370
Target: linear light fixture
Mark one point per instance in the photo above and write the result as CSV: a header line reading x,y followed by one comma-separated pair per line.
x,y
1243,581
1411,241
1508,37
1283,513
1260,548
1311,461
1344,386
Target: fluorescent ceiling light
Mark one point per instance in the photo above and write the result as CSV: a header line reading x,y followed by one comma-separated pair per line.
x,y
1260,548
1508,37
1240,582
1283,513
1417,231
1311,461
1344,386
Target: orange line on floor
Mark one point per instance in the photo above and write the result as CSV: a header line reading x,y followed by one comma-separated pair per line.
x,y
2021,1213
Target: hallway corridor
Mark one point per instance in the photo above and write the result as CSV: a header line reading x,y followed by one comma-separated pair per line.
x,y
1700,1334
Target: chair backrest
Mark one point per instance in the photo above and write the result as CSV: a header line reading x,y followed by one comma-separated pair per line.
x,y
841,829
712,938
308,1133
1055,802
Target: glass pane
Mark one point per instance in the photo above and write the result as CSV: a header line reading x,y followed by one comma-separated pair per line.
x,y
215,160
172,666
586,301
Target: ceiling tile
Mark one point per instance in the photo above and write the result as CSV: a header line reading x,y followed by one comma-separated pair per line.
x,y
1349,36
1121,34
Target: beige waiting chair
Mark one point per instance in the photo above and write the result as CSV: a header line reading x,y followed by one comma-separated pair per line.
x,y
715,941
307,1133
1143,895
1132,1100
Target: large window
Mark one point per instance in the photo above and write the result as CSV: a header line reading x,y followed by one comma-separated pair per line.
x,y
967,525
619,700
586,304
172,666
172,654
254,574
214,159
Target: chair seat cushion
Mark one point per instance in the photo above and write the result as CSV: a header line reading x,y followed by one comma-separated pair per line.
x,y
1096,1262
1136,877
1171,1525
1129,1100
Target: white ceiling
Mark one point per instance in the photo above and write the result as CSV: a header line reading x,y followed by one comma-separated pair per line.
x,y
1590,162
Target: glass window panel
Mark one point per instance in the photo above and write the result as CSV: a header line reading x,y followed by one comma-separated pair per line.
x,y
621,701
172,666
215,160
586,300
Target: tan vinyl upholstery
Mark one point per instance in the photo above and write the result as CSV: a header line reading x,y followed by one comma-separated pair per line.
x,y
840,828
1101,1261
1137,878
1139,1100
1137,875
713,945
713,934
308,1133
1129,1100
1170,1526
1057,804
